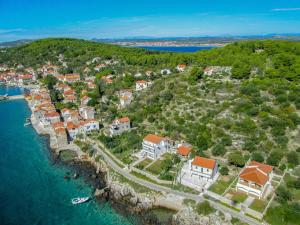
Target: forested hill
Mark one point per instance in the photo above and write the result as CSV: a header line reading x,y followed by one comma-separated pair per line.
x,y
270,58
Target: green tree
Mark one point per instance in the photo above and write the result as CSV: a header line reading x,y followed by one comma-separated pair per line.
x,y
274,158
195,74
257,156
293,158
241,70
236,158
218,149
224,170
283,195
50,81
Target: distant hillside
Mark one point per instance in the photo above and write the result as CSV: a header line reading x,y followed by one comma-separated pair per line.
x,y
273,58
14,43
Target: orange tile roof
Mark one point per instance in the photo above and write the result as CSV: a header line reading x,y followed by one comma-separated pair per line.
x,y
141,82
181,65
60,130
184,150
153,138
58,124
256,172
69,92
204,162
71,125
52,114
123,120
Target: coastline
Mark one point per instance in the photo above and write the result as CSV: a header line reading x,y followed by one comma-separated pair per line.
x,y
149,208
122,198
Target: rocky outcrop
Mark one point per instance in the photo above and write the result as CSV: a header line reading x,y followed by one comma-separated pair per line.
x,y
190,217
124,194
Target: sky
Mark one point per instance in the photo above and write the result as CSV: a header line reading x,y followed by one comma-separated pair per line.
x,y
32,19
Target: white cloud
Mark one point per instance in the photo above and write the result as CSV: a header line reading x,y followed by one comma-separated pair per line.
x,y
286,9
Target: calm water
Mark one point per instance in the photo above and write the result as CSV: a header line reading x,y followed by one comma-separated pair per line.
x,y
34,191
177,49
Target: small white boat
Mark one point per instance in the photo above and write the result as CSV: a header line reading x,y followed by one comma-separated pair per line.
x,y
76,201
27,124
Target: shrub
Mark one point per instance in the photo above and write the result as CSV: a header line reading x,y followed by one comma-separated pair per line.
x,y
292,158
257,156
236,158
224,170
283,195
218,149
204,208
274,158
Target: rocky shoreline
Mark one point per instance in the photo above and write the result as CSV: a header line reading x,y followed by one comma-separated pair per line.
x,y
146,208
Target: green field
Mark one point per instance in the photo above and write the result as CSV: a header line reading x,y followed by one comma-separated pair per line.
x,y
155,168
238,197
221,185
258,205
143,164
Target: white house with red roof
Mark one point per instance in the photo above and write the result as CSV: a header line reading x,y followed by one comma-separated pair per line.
x,y
25,78
119,126
142,84
87,112
125,98
184,150
203,167
181,67
71,78
84,100
52,117
89,125
255,179
73,129
154,146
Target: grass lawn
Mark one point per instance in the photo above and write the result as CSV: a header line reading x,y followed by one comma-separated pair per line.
x,y
155,168
143,164
221,185
238,197
258,205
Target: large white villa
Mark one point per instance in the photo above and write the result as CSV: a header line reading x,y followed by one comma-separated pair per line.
x,y
255,179
154,146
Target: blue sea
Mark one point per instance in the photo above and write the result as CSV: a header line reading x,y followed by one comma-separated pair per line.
x,y
33,190
177,48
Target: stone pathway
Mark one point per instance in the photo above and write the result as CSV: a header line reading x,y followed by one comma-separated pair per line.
x,y
248,201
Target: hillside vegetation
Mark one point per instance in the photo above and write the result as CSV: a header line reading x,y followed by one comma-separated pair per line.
x,y
254,112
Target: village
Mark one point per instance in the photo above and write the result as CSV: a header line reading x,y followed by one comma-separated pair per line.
x,y
248,190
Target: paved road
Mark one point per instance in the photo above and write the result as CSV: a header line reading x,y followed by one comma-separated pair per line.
x,y
159,188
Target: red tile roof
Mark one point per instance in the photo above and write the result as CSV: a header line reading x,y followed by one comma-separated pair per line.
x,y
181,66
153,138
184,150
71,125
256,172
204,162
141,82
52,114
123,120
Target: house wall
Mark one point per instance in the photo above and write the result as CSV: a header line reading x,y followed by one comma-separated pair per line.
x,y
153,151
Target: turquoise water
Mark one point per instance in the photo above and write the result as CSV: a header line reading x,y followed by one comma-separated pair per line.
x,y
177,48
32,189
